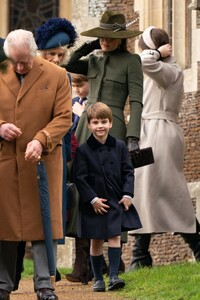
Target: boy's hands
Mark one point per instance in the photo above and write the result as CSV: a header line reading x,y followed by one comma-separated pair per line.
x,y
126,202
78,108
100,207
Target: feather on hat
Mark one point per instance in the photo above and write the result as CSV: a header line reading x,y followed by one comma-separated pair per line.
x,y
55,32
112,25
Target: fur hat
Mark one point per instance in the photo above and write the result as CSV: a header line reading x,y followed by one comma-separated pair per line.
x,y
54,33
2,54
112,25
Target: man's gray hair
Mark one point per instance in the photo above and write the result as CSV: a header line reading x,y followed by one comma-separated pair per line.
x,y
20,38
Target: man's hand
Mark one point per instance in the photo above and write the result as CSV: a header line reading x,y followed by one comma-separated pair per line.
x,y
33,151
9,131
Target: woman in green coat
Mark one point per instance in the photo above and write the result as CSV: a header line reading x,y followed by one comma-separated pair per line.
x,y
114,74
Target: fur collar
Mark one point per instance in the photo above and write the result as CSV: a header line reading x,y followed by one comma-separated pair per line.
x,y
94,144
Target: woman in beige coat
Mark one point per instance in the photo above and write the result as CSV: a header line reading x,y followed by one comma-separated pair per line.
x,y
161,194
34,116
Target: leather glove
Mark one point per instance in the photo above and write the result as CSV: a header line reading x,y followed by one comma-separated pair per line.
x,y
134,150
94,44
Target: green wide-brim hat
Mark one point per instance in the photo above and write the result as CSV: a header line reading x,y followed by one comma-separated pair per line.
x,y
112,25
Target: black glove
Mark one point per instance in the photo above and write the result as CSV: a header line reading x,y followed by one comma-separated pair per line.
x,y
94,44
134,150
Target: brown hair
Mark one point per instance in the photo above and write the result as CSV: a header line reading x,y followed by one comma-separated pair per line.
x,y
123,45
158,36
99,110
78,78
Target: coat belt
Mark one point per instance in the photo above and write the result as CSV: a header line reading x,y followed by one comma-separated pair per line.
x,y
165,115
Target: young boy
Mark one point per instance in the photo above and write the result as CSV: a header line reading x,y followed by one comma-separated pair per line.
x,y
82,267
80,87
105,180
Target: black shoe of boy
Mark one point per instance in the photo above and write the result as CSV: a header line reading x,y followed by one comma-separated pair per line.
x,y
115,283
99,286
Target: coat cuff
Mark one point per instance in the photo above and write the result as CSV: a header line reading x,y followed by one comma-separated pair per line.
x,y
151,54
45,139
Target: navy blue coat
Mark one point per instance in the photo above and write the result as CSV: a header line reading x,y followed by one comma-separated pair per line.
x,y
105,171
75,118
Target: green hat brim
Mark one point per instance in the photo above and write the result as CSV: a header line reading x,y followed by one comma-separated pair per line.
x,y
121,34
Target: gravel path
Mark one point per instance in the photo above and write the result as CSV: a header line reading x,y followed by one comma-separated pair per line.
x,y
65,290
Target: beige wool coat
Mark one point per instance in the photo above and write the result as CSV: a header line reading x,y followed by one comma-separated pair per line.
x,y
41,108
161,194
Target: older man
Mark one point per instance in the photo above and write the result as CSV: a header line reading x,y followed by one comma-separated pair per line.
x,y
35,113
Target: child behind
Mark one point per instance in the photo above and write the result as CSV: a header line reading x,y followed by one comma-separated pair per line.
x,y
81,270
105,180
80,87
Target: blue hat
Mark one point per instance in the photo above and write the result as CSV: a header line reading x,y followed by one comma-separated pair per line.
x,y
54,33
2,54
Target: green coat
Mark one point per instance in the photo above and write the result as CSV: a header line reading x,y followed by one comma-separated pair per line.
x,y
113,77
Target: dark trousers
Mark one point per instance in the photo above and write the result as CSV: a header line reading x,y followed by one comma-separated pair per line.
x,y
19,265
193,241
141,252
8,258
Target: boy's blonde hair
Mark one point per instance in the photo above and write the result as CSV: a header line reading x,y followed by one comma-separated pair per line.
x,y
99,110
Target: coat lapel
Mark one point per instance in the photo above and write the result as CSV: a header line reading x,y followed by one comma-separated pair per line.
x,y
31,77
11,81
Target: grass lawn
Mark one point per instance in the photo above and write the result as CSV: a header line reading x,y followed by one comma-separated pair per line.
x,y
172,282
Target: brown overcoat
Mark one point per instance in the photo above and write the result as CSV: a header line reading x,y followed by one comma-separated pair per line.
x,y
41,108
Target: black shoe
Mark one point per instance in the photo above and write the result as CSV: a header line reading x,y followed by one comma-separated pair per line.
x,y
142,263
4,295
99,286
46,294
58,276
72,278
136,266
83,278
115,283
